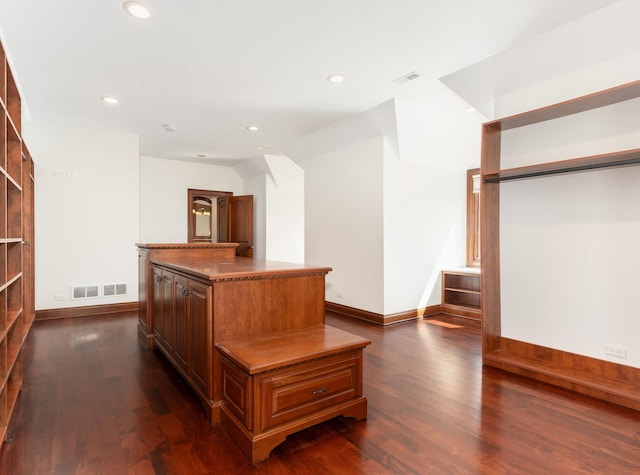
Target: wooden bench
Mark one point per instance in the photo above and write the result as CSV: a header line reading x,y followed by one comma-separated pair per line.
x,y
280,383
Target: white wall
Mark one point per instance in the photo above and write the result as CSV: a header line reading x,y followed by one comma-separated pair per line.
x,y
87,220
344,222
285,210
256,186
163,194
569,244
425,196
388,212
424,229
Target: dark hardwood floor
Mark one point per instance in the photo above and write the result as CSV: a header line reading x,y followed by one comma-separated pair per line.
x,y
95,401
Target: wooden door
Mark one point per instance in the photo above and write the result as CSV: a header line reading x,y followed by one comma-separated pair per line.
x,y
240,209
223,219
181,320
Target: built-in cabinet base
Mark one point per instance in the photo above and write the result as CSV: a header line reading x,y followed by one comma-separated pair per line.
x,y
278,384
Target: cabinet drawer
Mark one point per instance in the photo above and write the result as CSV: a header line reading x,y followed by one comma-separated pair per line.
x,y
303,389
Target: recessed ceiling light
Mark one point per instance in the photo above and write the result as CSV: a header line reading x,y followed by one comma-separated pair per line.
x,y
136,10
201,155
109,99
252,128
335,78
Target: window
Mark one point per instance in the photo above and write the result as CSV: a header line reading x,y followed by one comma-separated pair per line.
x,y
473,217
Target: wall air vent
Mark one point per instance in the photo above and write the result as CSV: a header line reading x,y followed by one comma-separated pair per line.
x,y
111,290
85,291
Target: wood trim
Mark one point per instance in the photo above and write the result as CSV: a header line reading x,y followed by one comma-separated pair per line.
x,y
460,311
611,382
473,221
490,241
87,311
432,310
378,318
181,245
595,100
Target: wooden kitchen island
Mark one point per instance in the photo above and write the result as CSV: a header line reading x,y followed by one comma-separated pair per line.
x,y
195,298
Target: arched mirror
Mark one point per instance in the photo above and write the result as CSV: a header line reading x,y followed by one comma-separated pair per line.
x,y
203,225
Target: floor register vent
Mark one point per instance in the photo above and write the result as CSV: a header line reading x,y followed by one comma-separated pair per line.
x,y
93,291
85,291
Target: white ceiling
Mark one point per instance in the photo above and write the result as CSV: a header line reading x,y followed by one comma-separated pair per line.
x,y
210,68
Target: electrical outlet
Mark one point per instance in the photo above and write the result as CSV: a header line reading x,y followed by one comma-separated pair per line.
x,y
60,297
339,294
617,351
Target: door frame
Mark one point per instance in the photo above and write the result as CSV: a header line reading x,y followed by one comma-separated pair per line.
x,y
191,194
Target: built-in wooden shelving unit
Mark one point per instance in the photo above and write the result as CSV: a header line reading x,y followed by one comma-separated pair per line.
x,y
16,244
461,293
602,379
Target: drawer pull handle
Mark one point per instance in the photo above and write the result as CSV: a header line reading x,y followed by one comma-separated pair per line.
x,y
318,391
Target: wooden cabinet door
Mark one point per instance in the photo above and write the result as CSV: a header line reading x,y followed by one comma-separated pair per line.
x,y
200,336
156,304
181,320
166,330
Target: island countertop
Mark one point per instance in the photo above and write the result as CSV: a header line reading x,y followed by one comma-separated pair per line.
x,y
237,268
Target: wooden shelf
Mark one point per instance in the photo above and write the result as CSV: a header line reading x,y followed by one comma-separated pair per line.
x,y
14,104
585,375
16,260
605,160
461,293
596,100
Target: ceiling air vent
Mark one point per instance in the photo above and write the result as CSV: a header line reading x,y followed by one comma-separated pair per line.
x,y
407,77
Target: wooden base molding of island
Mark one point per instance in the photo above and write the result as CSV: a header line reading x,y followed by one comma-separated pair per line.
x,y
278,384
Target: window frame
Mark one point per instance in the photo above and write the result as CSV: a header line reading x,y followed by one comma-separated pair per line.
x,y
473,219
